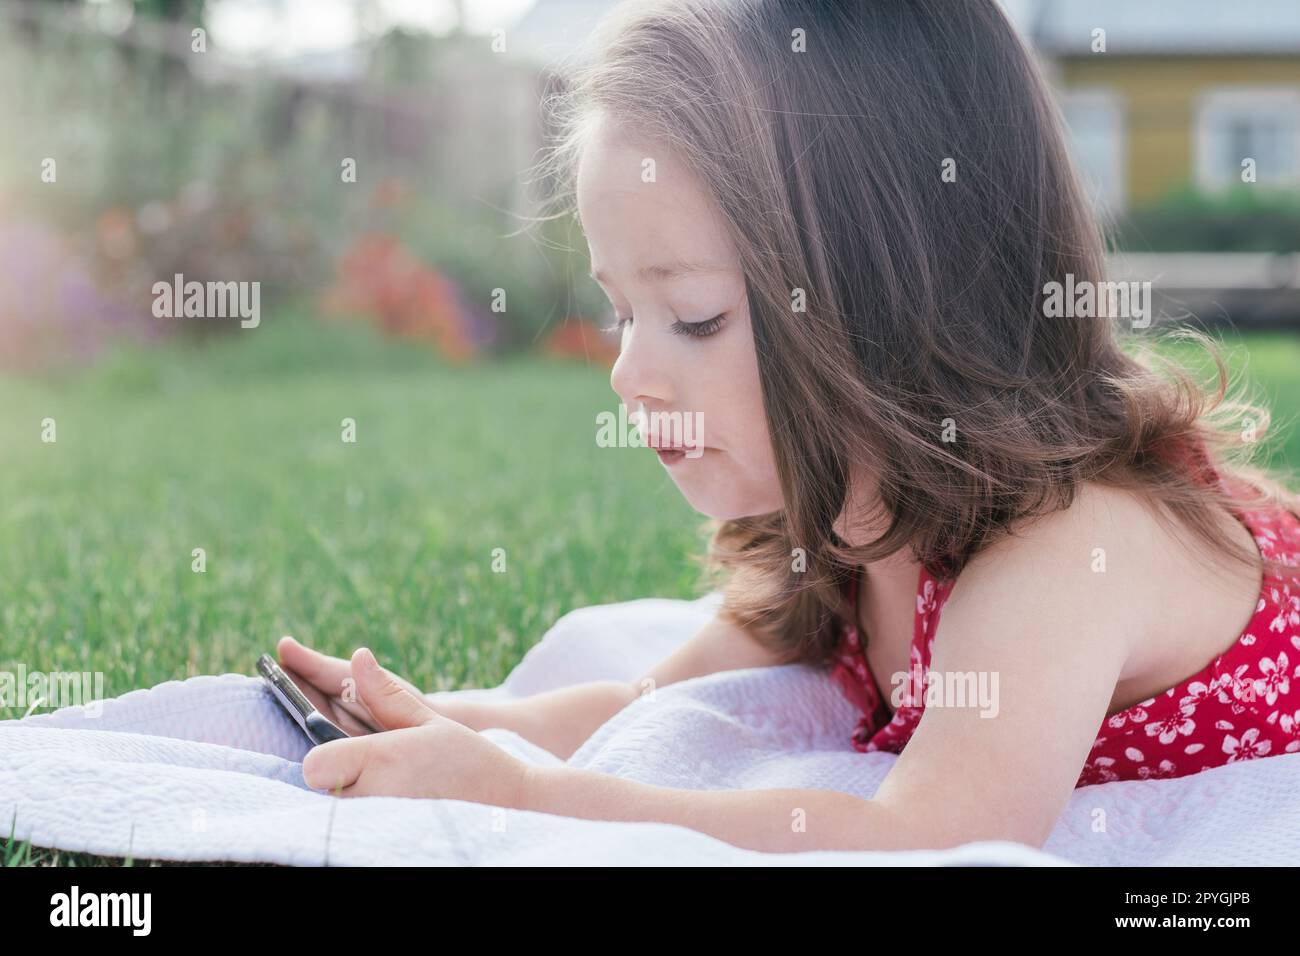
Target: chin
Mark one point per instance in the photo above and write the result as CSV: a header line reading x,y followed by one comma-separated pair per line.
x,y
726,506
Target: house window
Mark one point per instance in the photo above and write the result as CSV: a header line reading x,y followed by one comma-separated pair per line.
x,y
1095,121
1259,123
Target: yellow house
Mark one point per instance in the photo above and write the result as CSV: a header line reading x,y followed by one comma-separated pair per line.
x,y
1162,95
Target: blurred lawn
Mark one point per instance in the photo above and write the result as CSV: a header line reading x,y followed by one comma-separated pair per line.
x,y
234,446
1269,364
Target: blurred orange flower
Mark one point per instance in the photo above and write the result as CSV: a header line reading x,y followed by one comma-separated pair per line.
x,y
379,278
577,337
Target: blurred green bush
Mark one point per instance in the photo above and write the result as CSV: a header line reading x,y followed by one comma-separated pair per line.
x,y
172,162
1244,219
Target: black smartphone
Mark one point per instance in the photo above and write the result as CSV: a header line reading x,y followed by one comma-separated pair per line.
x,y
318,728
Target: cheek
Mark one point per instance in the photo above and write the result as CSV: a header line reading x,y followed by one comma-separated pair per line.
x,y
763,461
746,436
746,398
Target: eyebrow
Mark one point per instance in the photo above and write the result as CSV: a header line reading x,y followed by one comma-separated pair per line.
x,y
670,270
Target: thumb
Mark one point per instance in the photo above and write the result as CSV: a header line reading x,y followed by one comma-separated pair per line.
x,y
392,704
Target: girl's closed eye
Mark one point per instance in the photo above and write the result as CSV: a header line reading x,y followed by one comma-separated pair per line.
x,y
698,329
693,329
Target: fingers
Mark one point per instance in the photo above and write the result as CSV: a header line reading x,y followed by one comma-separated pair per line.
x,y
327,673
333,675
379,765
354,724
387,697
356,719
330,674
313,693
331,683
337,765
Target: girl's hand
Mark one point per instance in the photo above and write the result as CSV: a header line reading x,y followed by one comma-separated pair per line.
x,y
328,682
422,754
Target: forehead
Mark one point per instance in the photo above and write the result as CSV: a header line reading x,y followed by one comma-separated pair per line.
x,y
643,209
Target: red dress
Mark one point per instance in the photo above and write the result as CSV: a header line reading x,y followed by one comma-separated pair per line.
x,y
1244,704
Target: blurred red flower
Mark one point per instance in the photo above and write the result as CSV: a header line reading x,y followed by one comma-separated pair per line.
x,y
379,278
577,337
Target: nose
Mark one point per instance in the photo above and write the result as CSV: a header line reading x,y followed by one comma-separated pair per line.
x,y
638,376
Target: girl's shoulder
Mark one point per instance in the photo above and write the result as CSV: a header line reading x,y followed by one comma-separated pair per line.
x,y
1105,543
1101,524
1178,604
1115,530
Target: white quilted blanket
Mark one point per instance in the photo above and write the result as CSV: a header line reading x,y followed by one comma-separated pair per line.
x,y
210,768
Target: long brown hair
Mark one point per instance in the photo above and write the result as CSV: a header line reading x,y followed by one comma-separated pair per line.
x,y
924,350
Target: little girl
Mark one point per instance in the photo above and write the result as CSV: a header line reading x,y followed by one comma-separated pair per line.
x,y
827,230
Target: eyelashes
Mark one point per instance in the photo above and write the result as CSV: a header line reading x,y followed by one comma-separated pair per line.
x,y
697,330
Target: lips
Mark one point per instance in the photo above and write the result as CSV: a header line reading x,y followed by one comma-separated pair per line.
x,y
675,454
672,439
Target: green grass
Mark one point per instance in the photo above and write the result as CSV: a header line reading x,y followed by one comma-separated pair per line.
x,y
234,446
1268,364
387,542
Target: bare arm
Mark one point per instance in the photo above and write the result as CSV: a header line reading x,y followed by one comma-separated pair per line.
x,y
774,821
557,720
561,720
1029,613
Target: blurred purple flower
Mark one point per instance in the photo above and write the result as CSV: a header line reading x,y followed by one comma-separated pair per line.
x,y
51,306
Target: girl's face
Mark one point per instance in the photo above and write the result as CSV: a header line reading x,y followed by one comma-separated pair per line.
x,y
687,367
